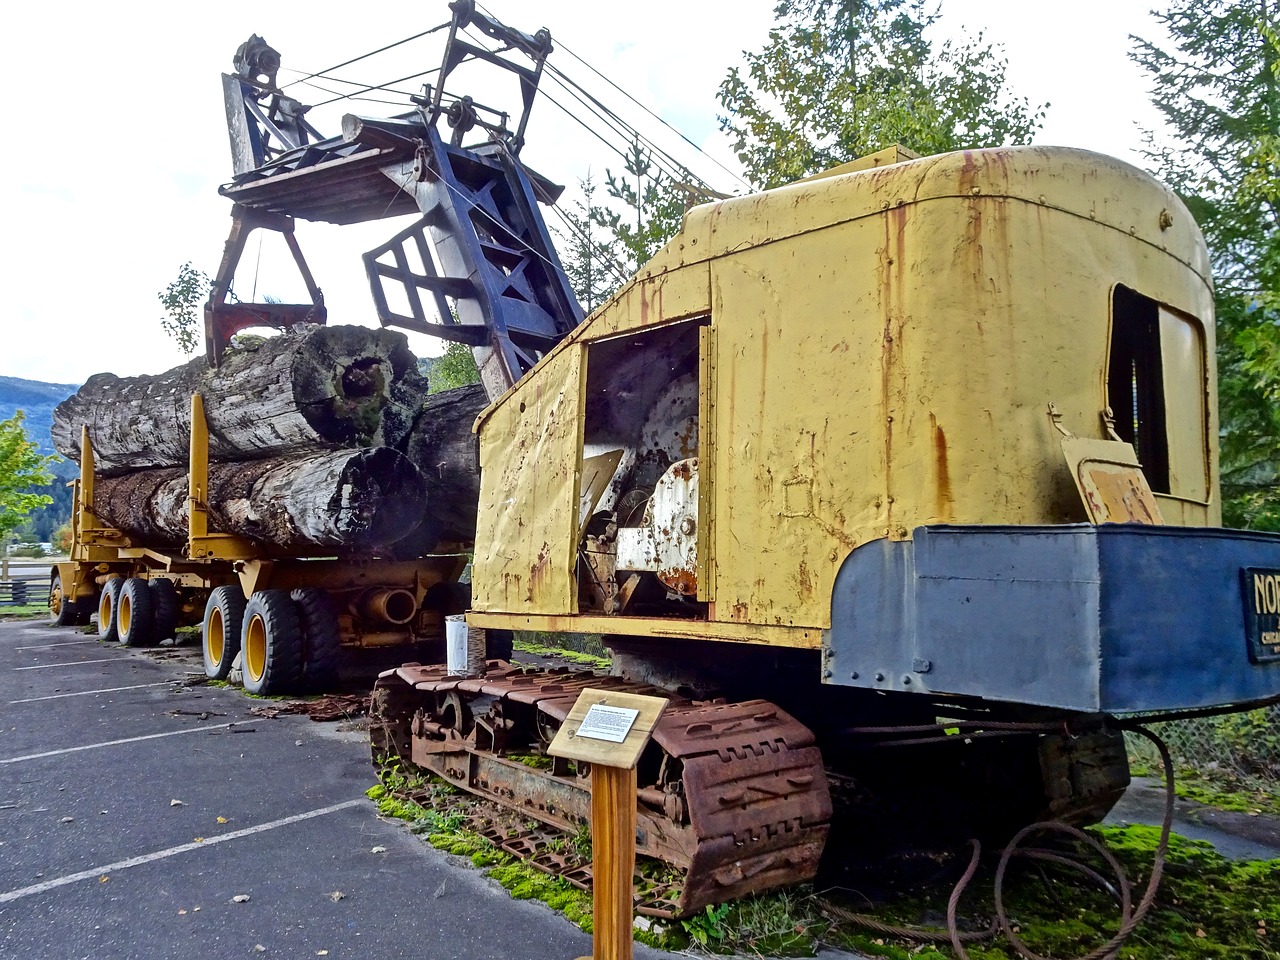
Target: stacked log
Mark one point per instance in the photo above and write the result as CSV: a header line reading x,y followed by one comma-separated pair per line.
x,y
309,389
443,447
321,439
350,501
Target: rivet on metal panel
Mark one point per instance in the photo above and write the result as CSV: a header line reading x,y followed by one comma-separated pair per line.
x,y
975,190
879,677
1166,219
906,680
854,675
921,666
826,674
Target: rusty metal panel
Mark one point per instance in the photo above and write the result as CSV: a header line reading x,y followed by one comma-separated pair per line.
x,y
882,350
707,379
664,291
885,362
527,530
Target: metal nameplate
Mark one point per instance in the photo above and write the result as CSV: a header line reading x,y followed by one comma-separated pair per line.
x,y
1262,612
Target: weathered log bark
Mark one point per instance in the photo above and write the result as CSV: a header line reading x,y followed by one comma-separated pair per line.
x,y
447,454
352,502
309,389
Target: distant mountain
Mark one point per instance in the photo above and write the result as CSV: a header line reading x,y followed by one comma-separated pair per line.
x,y
36,399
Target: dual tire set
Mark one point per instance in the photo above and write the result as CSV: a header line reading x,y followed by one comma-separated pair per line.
x,y
288,641
135,612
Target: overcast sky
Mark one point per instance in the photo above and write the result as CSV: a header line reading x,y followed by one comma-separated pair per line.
x,y
118,138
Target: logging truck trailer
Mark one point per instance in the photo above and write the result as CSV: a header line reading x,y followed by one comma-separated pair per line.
x,y
289,618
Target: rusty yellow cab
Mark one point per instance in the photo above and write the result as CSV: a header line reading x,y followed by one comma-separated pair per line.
x,y
830,417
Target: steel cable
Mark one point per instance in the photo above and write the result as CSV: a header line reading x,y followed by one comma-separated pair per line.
x,y
1121,888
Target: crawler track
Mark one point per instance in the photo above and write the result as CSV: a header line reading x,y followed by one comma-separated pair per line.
x,y
733,796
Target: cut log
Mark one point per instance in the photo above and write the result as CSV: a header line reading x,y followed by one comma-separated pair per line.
x,y
447,454
348,502
309,389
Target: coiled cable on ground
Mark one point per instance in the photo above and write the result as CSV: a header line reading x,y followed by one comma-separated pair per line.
x,y
1130,916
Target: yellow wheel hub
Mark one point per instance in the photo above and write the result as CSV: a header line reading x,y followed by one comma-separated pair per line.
x,y
215,636
255,648
126,614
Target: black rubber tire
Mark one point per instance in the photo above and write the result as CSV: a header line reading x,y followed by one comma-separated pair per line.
x,y
133,614
271,644
62,612
321,641
108,607
164,609
220,632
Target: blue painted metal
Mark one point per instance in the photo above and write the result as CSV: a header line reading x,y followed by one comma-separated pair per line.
x,y
1115,618
489,250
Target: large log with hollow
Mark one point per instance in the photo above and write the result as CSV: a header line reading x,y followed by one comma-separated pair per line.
x,y
352,502
308,389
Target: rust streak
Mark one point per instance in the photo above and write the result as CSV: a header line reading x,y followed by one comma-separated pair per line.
x,y
942,470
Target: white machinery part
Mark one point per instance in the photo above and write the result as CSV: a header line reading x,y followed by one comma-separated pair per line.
x,y
667,542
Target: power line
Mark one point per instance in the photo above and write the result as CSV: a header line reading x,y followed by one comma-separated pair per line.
x,y
371,53
567,82
369,89
562,46
673,169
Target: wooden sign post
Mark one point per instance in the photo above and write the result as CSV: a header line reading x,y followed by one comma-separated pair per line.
x,y
609,730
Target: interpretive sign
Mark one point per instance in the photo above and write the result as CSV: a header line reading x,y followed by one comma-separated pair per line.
x,y
607,727
603,722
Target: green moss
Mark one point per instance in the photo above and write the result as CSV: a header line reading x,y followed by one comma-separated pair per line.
x,y
1207,907
1240,794
534,760
560,653
525,883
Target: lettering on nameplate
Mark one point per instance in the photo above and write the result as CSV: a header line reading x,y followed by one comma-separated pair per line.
x,y
1262,612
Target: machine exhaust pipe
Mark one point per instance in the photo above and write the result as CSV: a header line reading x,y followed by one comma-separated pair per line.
x,y
392,605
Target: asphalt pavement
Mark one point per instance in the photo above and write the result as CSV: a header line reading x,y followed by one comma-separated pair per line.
x,y
143,819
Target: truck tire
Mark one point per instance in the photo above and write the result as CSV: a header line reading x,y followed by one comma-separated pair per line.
x,y
108,607
321,641
271,644
164,609
63,612
133,614
220,634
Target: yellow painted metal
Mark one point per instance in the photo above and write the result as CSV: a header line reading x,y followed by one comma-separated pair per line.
x,y
881,158
215,636
255,648
125,613
707,457
202,543
656,627
527,534
883,345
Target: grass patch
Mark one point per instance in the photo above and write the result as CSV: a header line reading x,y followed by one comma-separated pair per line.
x,y
25,611
1207,907
538,649
1241,794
